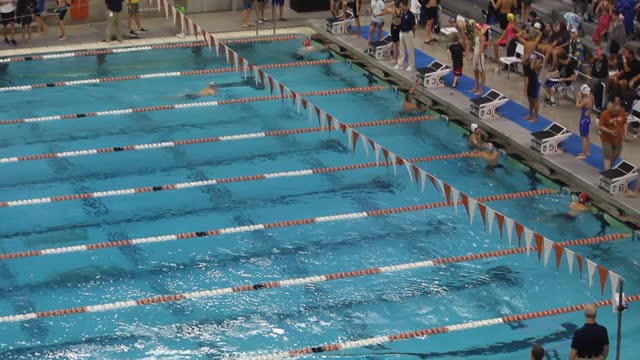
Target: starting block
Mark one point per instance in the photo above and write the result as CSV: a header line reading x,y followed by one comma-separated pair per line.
x,y
431,76
487,105
617,179
547,141
383,49
340,25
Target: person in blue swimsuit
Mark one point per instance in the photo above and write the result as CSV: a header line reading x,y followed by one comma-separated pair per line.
x,y
584,103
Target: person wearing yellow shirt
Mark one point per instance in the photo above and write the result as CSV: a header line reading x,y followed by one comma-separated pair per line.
x,y
134,15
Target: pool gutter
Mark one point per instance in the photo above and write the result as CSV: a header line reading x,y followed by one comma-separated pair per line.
x,y
578,175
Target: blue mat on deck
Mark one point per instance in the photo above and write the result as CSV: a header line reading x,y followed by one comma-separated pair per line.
x,y
512,110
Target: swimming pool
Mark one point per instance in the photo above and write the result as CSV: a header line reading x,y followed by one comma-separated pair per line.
x,y
270,319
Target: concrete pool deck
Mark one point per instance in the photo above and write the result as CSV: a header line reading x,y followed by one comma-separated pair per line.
x,y
579,175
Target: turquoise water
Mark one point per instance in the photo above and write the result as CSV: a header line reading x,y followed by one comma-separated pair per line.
x,y
279,318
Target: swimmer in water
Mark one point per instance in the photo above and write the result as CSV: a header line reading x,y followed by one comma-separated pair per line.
x,y
582,204
211,90
475,138
488,154
308,49
410,104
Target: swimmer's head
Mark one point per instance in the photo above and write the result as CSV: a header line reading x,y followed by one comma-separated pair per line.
x,y
306,42
490,146
585,89
213,85
474,127
511,17
583,198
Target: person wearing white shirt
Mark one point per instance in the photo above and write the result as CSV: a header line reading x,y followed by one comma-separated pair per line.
x,y
8,19
377,19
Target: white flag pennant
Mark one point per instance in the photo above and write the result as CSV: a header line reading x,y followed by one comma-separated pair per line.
x,y
175,14
547,246
423,179
310,110
198,29
287,91
323,119
528,238
336,124
440,186
227,53
509,224
455,197
591,268
350,137
217,45
392,159
615,281
236,61
409,171
491,214
570,259
276,86
472,209
365,144
376,150
245,69
298,103
166,9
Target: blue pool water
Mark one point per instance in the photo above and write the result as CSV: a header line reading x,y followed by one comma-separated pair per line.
x,y
276,319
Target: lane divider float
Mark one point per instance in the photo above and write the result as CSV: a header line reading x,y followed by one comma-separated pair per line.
x,y
165,144
142,48
256,227
295,281
189,105
194,184
425,332
160,75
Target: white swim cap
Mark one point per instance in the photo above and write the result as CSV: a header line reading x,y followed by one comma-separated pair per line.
x,y
489,146
585,89
473,127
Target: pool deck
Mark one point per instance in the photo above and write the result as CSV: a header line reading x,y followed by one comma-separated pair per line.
x,y
579,175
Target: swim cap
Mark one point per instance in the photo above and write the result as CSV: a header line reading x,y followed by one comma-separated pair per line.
x,y
212,84
489,146
511,17
306,42
473,127
585,89
537,26
583,198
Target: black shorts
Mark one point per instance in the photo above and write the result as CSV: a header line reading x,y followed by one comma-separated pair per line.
x,y
395,33
8,18
502,18
62,12
614,47
431,13
354,10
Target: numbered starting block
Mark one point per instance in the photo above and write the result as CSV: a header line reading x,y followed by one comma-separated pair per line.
x,y
431,76
617,179
547,141
383,49
487,105
340,25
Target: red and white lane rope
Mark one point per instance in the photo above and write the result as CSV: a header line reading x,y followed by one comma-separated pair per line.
x,y
165,144
194,184
256,227
293,282
142,48
160,75
189,105
424,332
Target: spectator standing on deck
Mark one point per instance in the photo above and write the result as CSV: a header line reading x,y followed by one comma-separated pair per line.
x,y
26,11
280,5
395,12
592,340
8,19
431,14
335,7
134,16
62,9
613,127
377,19
479,66
246,14
354,6
114,19
584,103
407,34
503,8
599,76
456,52
181,5
537,352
